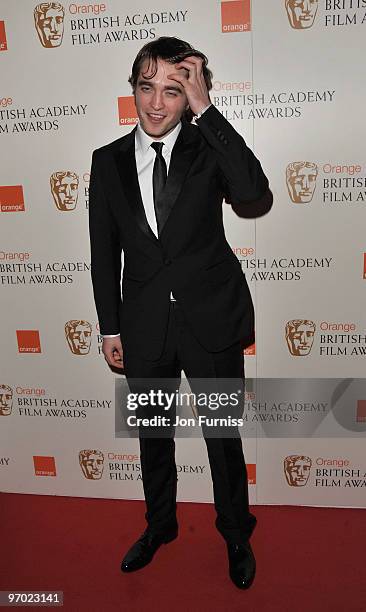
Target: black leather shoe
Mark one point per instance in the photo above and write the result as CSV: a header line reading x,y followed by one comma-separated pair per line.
x,y
142,552
241,564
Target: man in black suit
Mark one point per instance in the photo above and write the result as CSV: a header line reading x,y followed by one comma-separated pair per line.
x,y
157,194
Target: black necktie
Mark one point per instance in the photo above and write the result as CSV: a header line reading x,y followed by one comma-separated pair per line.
x,y
159,180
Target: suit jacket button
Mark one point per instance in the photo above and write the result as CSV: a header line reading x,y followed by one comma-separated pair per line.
x,y
167,262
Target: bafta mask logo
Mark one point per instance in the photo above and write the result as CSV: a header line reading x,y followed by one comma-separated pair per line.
x,y
49,22
300,336
297,470
6,400
301,13
64,188
78,335
301,181
92,464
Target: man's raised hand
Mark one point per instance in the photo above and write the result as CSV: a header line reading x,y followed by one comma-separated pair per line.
x,y
193,82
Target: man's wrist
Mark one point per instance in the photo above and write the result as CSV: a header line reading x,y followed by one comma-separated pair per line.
x,y
198,115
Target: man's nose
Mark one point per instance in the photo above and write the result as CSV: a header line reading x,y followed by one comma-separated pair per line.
x,y
157,100
68,190
306,6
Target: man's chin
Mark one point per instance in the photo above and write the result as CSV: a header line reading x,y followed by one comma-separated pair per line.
x,y
157,130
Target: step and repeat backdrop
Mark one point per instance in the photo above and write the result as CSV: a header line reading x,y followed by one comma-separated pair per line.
x,y
289,76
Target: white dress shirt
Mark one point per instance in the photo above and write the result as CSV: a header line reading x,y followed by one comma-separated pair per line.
x,y
145,158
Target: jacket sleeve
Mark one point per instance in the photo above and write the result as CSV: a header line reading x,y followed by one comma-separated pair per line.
x,y
105,255
243,180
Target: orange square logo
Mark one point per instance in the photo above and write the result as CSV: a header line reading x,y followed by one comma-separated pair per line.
x,y
44,466
250,350
235,16
11,198
127,112
3,43
361,411
28,341
252,473
364,265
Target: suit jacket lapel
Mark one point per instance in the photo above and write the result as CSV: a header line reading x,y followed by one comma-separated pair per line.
x,y
126,165
183,154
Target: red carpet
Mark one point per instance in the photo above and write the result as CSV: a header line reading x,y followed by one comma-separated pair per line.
x,y
308,559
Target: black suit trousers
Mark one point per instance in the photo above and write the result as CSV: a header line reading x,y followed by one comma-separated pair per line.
x,y
182,351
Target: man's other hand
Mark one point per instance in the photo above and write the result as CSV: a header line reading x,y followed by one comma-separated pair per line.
x,y
113,352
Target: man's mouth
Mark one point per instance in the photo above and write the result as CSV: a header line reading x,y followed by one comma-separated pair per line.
x,y
156,117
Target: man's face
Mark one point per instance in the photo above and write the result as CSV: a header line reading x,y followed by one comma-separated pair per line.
x,y
301,340
51,26
66,192
302,184
80,340
301,13
160,102
298,472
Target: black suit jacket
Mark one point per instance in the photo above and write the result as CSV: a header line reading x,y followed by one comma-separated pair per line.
x,y
191,258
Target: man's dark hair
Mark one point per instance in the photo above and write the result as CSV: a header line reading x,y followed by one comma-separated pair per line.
x,y
172,50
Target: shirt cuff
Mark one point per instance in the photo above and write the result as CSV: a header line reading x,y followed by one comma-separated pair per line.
x,y
202,111
110,335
